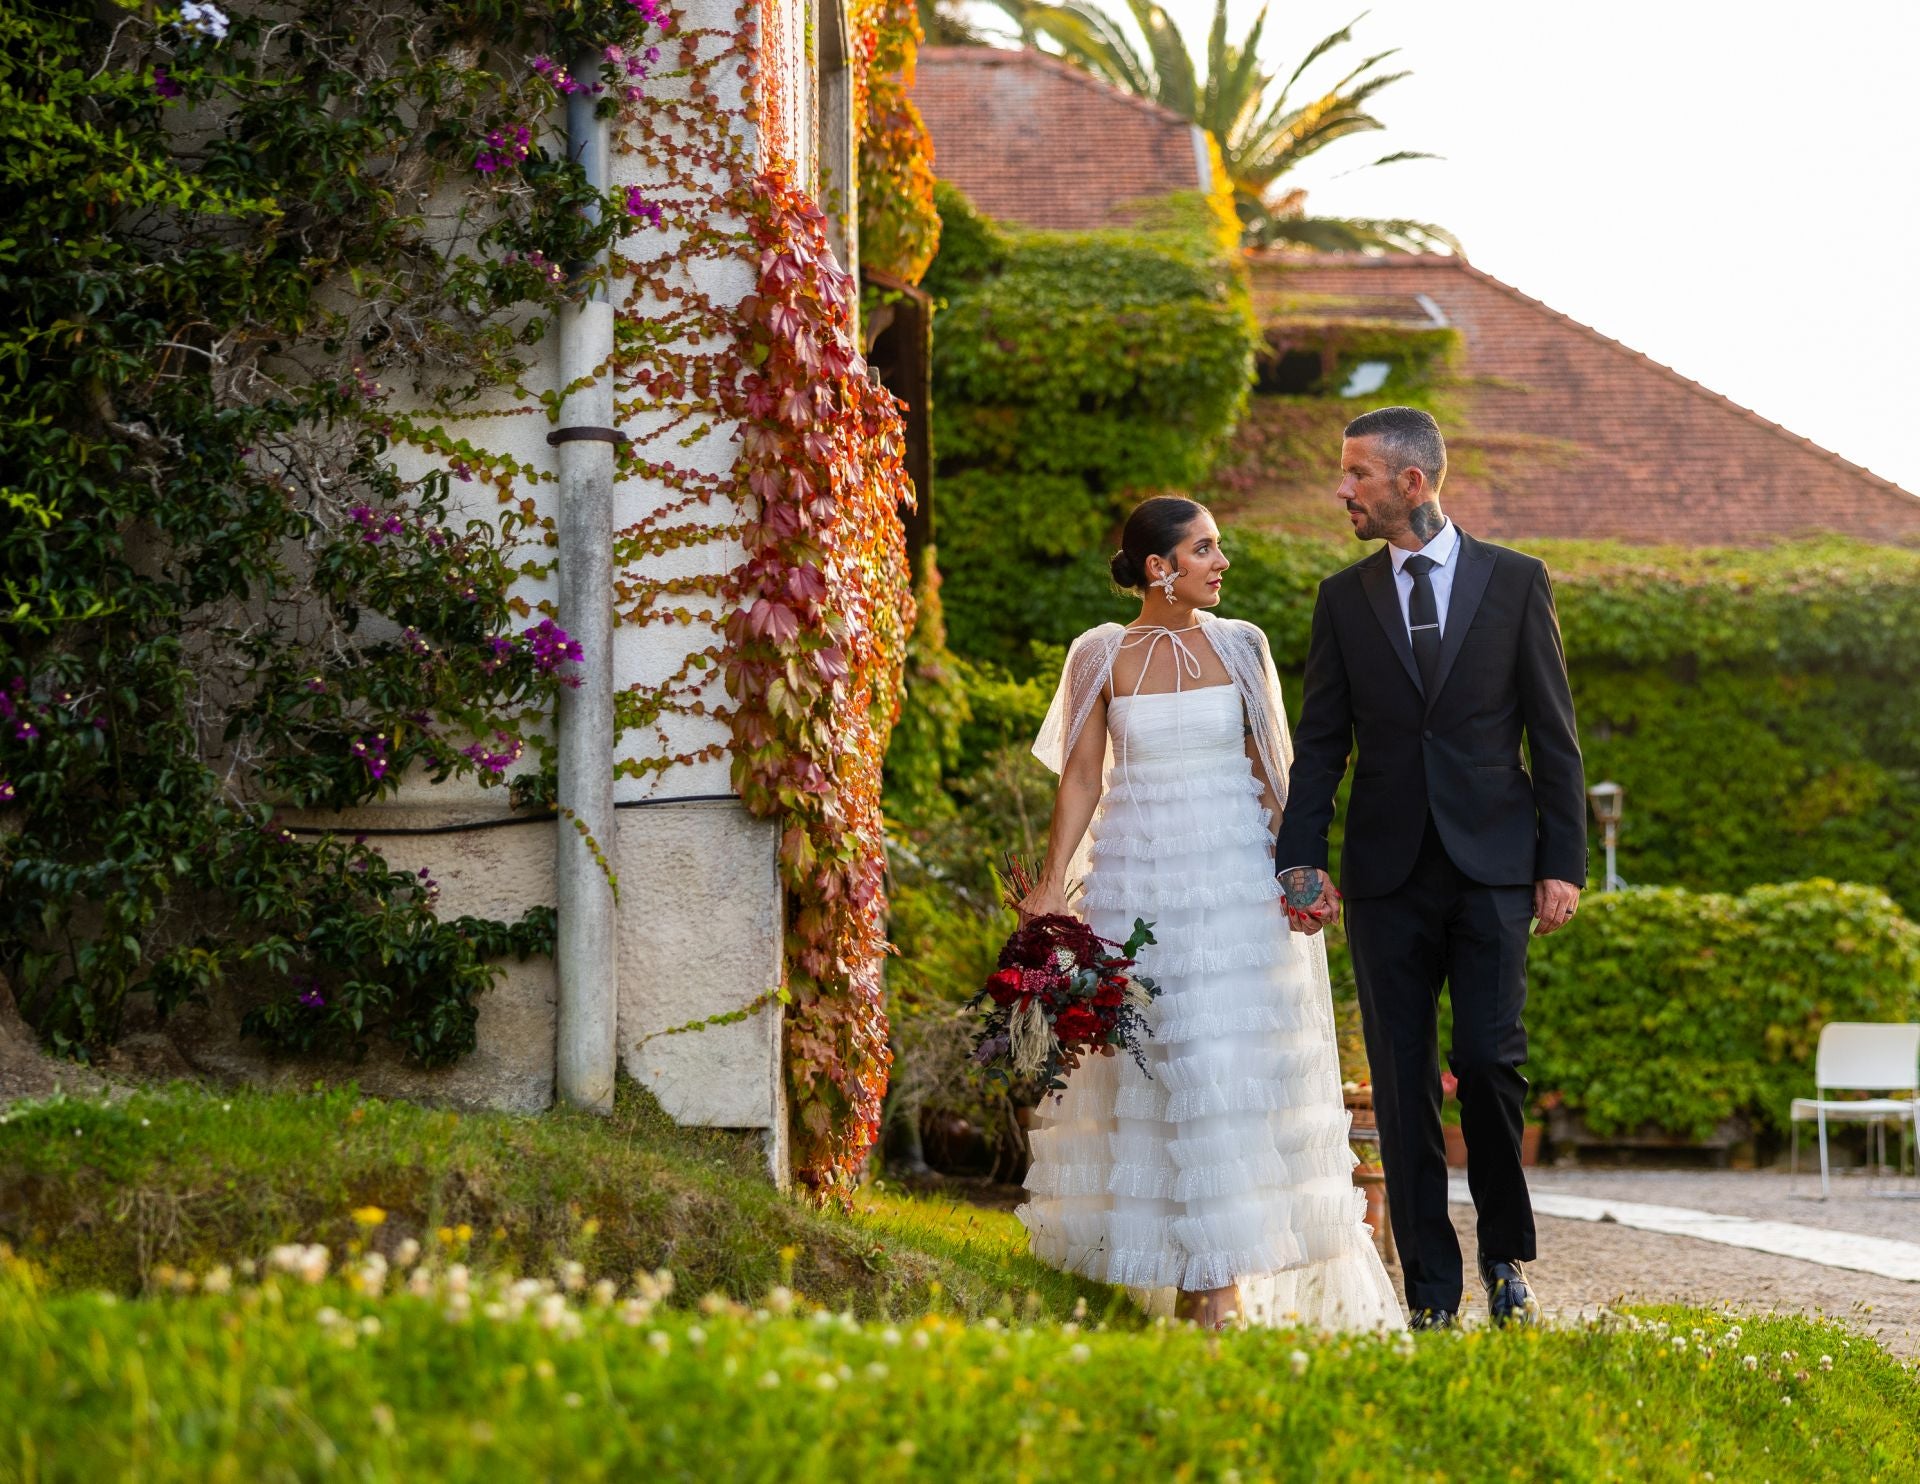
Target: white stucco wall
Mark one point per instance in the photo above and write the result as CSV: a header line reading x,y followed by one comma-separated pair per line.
x,y
701,916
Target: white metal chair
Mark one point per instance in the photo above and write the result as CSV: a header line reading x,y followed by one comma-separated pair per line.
x,y
1862,1056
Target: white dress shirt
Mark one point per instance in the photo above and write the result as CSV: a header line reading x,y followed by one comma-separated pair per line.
x,y
1442,549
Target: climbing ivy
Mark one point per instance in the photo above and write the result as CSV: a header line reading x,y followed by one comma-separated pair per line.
x,y
1076,372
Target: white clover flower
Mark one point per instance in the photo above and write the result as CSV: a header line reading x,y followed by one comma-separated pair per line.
x,y
1298,1360
990,1324
659,1342
1751,1362
459,1306
573,1277
1080,1354
696,1336
553,1308
877,1370
1826,1362
572,1399
769,1380
407,1253
889,1336
604,1292
714,1304
420,1283
218,1280
826,1381
780,1299
921,1341
370,1324
204,19
457,1278
1080,1307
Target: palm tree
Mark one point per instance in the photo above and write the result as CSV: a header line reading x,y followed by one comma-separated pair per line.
x,y
1263,132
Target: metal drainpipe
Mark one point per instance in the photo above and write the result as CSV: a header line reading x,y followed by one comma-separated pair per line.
x,y
587,1051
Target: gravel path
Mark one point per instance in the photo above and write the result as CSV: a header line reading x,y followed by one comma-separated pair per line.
x,y
1583,1264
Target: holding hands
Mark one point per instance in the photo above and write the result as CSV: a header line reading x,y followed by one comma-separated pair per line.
x,y
1312,899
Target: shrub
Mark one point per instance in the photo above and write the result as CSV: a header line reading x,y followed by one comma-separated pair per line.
x,y
1075,371
1679,1009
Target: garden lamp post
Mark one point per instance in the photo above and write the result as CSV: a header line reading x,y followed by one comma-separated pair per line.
x,y
1607,799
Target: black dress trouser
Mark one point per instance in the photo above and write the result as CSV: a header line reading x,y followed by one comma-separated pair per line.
x,y
1441,927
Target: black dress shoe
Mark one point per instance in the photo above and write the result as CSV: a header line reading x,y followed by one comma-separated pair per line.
x,y
1510,1297
1433,1319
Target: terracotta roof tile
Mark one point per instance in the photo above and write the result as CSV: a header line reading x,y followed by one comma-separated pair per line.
x,y
1574,434
1034,141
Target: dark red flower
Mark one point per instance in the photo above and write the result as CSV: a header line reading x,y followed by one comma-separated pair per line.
x,y
1111,994
1077,1026
1004,986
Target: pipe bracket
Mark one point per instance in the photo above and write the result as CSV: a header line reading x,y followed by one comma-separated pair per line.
x,y
587,435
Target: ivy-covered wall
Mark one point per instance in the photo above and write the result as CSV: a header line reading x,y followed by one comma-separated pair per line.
x,y
1074,372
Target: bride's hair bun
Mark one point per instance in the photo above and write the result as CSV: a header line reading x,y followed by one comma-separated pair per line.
x,y
1155,528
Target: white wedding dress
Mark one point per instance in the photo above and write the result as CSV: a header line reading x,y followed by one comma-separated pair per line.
x,y
1229,1163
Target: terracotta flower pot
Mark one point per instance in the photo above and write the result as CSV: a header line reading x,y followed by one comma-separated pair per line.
x,y
1456,1146
1530,1144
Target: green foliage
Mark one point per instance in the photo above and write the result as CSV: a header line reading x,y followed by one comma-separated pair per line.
x,y
1678,1009
287,1380
188,1178
1075,371
220,591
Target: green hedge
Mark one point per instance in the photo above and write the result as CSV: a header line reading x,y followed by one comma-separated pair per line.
x,y
1075,370
1679,1009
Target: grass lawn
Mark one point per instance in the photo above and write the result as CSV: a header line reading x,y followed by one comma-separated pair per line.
x,y
940,1352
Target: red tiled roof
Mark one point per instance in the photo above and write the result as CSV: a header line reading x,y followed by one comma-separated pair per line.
x,y
1034,141
1572,434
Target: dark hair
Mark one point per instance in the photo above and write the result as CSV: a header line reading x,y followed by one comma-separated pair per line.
x,y
1154,528
1410,439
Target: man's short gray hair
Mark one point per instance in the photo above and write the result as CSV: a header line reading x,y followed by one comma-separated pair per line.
x,y
1408,437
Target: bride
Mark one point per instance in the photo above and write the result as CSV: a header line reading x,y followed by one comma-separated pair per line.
x,y
1222,1181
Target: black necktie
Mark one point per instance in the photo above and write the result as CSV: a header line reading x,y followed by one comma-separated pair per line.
x,y
1423,618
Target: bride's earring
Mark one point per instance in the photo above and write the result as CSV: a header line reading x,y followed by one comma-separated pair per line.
x,y
1166,584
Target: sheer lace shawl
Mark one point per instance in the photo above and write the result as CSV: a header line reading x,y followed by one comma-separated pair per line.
x,y
1243,650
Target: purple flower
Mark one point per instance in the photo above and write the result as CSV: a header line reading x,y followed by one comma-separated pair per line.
x,y
6,791
499,650
491,761
416,645
374,526
554,73
640,207
550,647
654,11
315,685
372,752
504,147
165,86
26,731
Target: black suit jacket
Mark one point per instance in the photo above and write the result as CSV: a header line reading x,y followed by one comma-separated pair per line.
x,y
1455,753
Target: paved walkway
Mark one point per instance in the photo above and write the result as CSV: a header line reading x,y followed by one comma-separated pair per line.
x,y
1885,1257
1587,1261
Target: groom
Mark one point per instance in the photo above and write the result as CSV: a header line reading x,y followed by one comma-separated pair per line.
x,y
1429,661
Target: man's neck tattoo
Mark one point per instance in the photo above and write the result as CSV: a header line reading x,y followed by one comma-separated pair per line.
x,y
1425,521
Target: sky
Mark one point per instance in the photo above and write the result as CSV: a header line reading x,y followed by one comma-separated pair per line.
x,y
1730,186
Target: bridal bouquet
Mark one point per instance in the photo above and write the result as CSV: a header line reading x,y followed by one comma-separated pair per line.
x,y
1060,993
